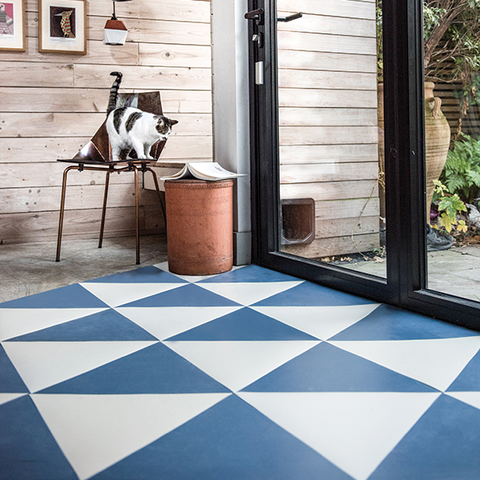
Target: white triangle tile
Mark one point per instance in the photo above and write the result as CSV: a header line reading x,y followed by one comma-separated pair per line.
x,y
472,398
43,364
20,321
248,293
115,294
321,322
162,266
7,397
354,431
436,362
189,278
238,364
96,431
164,322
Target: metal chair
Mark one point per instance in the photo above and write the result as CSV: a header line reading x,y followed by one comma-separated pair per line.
x,y
95,156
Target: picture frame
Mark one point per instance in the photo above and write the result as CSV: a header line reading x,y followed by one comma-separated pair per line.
x,y
12,25
62,26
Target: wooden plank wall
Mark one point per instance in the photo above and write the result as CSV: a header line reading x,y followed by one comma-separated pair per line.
x,y
328,121
51,105
451,95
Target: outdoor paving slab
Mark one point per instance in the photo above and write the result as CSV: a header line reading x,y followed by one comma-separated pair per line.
x,y
455,285
455,272
473,250
373,268
452,261
472,274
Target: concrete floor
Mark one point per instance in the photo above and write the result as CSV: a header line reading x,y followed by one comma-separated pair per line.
x,y
30,268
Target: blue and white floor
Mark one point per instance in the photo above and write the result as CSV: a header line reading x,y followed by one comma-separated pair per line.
x,y
248,375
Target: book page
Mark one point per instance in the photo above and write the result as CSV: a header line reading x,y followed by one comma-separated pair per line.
x,y
210,171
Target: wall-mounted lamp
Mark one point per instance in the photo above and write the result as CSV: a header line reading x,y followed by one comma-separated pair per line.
x,y
115,30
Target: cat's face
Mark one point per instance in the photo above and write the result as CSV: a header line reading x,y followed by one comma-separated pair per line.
x,y
164,125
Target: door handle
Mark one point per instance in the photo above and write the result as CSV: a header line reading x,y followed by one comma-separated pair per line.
x,y
256,15
291,17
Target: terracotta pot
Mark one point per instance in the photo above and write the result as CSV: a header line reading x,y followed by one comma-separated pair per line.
x,y
199,226
437,142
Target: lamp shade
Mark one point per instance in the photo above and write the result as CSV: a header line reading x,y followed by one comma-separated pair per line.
x,y
115,32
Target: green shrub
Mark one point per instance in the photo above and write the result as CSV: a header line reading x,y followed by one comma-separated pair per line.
x,y
449,206
461,173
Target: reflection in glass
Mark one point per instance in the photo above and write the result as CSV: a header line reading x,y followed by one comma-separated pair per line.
x,y
452,43
331,135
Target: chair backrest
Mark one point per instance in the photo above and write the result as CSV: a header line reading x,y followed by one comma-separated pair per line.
x,y
97,150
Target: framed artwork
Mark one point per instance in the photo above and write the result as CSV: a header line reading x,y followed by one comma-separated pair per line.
x,y
12,25
62,26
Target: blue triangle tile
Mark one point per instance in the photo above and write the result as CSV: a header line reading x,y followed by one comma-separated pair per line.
x,y
107,325
311,295
244,324
250,273
443,444
27,448
231,440
10,380
390,323
155,369
469,378
188,296
149,274
325,368
72,296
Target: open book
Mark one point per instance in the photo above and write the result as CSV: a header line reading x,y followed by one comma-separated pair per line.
x,y
210,171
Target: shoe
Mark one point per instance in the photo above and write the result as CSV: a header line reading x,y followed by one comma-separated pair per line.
x,y
438,241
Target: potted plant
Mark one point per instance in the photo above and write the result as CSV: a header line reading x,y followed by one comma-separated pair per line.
x,y
451,54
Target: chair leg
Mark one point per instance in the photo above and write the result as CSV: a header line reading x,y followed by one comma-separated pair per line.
x,y
104,209
62,210
160,199
137,217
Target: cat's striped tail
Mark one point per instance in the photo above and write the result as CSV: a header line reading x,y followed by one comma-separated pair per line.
x,y
112,101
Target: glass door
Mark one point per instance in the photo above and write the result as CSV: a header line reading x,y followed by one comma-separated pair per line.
x,y
338,149
318,143
331,135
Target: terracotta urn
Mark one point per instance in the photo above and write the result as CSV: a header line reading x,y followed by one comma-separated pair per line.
x,y
437,142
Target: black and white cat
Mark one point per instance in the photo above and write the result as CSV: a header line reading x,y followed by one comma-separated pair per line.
x,y
131,128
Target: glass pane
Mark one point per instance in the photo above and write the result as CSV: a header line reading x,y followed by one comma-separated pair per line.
x,y
452,142
331,135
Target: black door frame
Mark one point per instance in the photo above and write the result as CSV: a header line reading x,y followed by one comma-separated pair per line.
x,y
404,159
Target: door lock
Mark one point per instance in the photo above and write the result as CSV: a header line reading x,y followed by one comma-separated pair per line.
x,y
258,38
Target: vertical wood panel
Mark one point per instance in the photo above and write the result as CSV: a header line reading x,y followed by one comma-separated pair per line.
x,y
328,121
